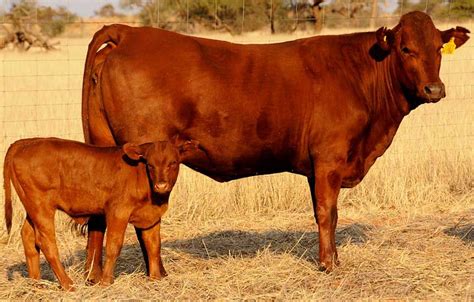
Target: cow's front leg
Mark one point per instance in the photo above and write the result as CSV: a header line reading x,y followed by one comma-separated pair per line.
x,y
327,184
151,239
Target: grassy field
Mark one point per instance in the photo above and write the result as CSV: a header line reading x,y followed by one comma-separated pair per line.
x,y
405,232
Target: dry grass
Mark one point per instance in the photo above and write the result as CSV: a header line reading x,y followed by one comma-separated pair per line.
x,y
404,233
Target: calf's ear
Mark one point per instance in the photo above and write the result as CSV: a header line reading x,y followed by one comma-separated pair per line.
x,y
459,34
187,148
133,151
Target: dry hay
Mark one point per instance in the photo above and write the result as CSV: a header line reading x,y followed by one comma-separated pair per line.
x,y
426,258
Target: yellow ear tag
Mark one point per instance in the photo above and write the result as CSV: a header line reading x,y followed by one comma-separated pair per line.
x,y
448,48
385,38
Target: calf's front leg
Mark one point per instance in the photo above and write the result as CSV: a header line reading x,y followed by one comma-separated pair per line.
x,y
116,226
327,184
150,239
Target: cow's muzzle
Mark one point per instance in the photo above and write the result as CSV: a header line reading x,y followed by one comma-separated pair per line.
x,y
434,92
162,187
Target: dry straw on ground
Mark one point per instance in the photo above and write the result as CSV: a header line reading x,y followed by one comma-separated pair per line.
x,y
405,232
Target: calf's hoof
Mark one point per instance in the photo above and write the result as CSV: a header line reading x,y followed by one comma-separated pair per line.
x,y
69,287
106,282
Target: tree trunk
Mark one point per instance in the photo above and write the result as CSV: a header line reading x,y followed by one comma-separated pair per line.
x,y
318,21
373,14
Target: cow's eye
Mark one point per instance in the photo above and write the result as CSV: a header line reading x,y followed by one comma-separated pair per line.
x,y
406,50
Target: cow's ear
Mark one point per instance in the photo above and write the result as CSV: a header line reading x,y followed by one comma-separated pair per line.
x,y
187,148
385,38
133,151
459,34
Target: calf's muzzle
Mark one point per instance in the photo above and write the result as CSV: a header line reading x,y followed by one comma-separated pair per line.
x,y
162,187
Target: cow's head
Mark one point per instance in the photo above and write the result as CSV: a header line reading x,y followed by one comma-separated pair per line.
x,y
162,161
417,45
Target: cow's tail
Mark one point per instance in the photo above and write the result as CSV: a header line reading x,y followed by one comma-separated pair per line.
x,y
7,169
111,34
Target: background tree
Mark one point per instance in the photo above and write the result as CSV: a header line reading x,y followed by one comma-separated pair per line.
x,y
461,9
33,25
107,11
233,16
440,9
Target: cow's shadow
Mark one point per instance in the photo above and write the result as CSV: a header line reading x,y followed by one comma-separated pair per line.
x,y
464,232
303,245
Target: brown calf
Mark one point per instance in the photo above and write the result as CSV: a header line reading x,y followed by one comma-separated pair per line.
x,y
126,184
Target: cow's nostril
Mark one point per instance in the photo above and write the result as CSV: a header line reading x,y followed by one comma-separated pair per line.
x,y
428,90
435,90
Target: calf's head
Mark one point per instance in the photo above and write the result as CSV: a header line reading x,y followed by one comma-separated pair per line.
x,y
162,161
417,44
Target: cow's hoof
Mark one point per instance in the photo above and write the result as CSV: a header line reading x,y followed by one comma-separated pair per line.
x,y
157,277
93,278
328,266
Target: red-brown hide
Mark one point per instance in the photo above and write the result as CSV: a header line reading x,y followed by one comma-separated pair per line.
x,y
129,184
325,107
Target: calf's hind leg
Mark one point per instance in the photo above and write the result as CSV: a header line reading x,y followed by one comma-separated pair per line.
x,y
31,250
44,225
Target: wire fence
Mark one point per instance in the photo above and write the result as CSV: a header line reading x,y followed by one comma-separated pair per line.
x,y
40,92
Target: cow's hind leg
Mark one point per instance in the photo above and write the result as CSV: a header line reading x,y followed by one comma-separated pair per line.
x,y
95,238
139,233
32,252
44,225
99,134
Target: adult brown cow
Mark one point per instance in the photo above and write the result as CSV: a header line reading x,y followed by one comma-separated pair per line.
x,y
325,107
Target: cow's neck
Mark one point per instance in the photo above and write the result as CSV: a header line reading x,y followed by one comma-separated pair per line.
x,y
382,90
387,104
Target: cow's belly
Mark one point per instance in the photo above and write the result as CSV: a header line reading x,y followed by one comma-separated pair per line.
x,y
222,159
230,149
